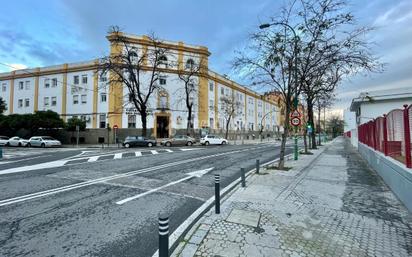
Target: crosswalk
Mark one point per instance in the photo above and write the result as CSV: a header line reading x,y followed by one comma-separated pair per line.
x,y
121,155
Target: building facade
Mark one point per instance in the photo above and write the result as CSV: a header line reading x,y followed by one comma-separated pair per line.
x,y
80,90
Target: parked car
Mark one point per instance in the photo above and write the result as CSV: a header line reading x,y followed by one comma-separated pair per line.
x,y
3,140
131,141
178,140
43,141
17,141
213,140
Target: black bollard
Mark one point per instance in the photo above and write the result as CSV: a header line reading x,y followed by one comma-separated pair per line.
x,y
242,176
217,193
257,166
163,235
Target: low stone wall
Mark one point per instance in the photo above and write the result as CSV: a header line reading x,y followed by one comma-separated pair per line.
x,y
394,173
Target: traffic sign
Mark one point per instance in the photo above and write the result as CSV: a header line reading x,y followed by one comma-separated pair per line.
x,y
295,113
295,121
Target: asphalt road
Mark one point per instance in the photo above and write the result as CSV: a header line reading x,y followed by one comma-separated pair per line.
x,y
106,202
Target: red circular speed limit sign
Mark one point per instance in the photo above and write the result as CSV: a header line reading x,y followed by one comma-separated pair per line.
x,y
115,127
295,121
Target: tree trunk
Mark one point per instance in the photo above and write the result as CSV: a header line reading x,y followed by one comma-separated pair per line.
x,y
319,128
310,121
281,164
227,128
189,121
143,117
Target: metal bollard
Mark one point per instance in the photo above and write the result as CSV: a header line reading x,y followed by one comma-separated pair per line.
x,y
217,193
1,152
163,235
242,176
257,166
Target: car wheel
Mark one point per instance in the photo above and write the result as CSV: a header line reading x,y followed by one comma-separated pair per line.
x,y
207,143
127,145
189,143
149,144
223,142
7,144
28,145
19,144
168,144
43,145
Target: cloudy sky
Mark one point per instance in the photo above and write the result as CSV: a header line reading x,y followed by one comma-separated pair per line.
x,y
40,33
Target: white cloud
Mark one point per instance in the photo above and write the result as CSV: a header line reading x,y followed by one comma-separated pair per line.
x,y
16,66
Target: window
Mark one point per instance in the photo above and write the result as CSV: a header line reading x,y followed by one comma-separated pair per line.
x,y
27,102
46,101
162,80
75,99
21,85
211,123
84,79
27,85
131,121
54,101
102,121
222,91
103,97
54,82
133,56
163,102
190,64
103,78
20,103
163,60
76,80
211,104
46,83
4,87
211,86
84,99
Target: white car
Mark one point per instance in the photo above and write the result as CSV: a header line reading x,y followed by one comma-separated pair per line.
x,y
44,141
213,140
17,141
3,140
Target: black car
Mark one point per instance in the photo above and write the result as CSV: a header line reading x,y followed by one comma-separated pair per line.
x,y
131,141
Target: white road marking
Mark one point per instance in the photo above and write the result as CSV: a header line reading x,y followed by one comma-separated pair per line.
x,y
187,149
46,165
93,159
193,174
168,150
25,159
154,152
118,156
104,179
138,154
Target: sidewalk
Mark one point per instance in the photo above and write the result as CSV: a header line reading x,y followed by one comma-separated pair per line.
x,y
329,204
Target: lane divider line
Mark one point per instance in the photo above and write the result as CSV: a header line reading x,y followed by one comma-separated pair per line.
x,y
104,179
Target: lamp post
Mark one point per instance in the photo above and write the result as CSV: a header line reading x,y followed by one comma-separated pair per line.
x,y
295,57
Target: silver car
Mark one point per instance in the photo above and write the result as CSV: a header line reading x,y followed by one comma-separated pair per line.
x,y
17,141
43,141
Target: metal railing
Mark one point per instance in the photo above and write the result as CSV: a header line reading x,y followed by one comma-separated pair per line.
x,y
390,134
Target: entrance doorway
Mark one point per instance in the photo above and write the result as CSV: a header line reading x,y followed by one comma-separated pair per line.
x,y
162,126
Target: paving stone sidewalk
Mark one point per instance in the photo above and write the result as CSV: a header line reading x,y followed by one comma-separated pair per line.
x,y
330,204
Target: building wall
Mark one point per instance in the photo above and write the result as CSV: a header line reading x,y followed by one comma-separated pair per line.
x,y
372,110
61,88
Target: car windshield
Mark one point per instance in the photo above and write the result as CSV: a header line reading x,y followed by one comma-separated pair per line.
x,y
48,138
130,138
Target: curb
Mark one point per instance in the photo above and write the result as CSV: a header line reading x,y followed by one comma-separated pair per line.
x,y
185,227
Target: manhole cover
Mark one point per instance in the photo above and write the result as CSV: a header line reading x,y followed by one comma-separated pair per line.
x,y
248,218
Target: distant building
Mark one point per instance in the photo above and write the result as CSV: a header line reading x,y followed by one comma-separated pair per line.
x,y
370,105
78,90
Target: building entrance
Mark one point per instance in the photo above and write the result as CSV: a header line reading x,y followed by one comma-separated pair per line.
x,y
162,126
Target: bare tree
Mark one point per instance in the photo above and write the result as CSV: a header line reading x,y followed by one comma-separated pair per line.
x,y
189,75
136,68
229,109
269,62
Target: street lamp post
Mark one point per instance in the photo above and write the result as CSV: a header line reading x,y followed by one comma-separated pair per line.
x,y
295,50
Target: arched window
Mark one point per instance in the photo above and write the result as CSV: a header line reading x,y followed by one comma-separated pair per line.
x,y
163,100
163,60
133,56
190,64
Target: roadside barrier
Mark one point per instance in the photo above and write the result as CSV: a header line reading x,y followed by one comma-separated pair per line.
x,y
163,235
257,166
242,177
217,193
